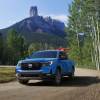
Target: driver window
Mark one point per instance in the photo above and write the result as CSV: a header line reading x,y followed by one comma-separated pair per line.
x,y
63,55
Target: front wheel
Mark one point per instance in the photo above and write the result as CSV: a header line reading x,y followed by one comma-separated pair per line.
x,y
22,81
72,73
58,77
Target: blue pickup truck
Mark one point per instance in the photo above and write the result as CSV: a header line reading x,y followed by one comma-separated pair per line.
x,y
47,64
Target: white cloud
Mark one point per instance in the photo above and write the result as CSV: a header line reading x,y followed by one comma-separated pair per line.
x,y
62,17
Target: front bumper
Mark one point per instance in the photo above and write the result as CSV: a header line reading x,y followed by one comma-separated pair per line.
x,y
32,75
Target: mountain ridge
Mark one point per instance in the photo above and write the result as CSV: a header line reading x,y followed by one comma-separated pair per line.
x,y
36,25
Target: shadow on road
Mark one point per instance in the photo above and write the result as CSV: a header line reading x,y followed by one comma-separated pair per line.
x,y
76,81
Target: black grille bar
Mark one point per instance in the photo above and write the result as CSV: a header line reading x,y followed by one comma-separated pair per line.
x,y
31,66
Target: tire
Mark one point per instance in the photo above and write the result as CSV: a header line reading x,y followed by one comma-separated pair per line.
x,y
23,81
58,77
72,73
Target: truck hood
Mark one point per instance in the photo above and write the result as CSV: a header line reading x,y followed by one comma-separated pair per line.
x,y
38,60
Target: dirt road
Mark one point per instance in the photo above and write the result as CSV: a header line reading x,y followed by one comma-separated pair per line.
x,y
85,86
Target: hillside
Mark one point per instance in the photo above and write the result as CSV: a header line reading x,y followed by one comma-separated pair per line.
x,y
39,29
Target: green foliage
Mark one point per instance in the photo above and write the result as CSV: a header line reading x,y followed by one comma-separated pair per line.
x,y
84,16
38,46
7,74
33,47
1,48
15,47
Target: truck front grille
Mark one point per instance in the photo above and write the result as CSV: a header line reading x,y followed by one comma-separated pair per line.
x,y
31,66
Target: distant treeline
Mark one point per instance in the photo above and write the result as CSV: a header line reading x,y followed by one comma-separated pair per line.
x,y
15,47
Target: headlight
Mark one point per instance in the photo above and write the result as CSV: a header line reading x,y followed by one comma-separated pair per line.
x,y
19,64
47,63
51,62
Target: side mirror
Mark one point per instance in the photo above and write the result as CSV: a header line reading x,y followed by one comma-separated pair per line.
x,y
61,57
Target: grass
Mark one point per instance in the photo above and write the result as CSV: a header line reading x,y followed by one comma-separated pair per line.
x,y
7,74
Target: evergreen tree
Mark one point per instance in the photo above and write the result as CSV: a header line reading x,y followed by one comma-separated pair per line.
x,y
1,48
21,46
12,44
16,47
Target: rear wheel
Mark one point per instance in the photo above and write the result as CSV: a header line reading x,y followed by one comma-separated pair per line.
x,y
58,77
72,73
23,81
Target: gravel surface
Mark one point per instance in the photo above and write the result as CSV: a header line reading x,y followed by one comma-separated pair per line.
x,y
85,86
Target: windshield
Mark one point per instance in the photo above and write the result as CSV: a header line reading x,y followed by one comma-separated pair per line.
x,y
44,54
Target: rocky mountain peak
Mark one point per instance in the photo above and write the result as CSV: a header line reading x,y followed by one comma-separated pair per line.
x,y
33,11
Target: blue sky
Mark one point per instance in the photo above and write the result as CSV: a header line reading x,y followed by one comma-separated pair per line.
x,y
12,11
